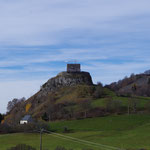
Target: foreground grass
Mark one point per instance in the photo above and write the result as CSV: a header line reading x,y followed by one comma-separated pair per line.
x,y
120,131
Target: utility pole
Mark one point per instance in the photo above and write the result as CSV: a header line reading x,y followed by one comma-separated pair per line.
x,y
41,132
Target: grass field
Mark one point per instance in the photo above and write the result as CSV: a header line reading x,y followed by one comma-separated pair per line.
x,y
142,101
123,131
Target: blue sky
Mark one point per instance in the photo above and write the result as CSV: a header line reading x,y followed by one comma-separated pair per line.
x,y
110,38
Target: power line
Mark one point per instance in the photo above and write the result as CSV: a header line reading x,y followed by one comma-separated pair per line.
x,y
78,142
88,143
84,141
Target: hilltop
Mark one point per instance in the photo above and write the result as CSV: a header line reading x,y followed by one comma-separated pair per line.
x,y
65,79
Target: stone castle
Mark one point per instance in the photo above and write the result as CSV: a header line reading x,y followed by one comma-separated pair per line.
x,y
73,68
73,76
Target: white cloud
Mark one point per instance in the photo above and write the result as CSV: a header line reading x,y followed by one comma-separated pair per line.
x,y
36,22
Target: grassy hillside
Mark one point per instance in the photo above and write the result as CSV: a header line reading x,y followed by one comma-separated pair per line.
x,y
129,132
110,123
142,101
67,103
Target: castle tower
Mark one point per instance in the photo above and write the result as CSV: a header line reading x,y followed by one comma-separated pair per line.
x,y
73,68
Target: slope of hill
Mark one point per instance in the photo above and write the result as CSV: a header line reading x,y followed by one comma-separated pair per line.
x,y
138,85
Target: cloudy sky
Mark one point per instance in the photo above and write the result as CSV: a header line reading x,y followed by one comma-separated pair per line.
x,y
110,38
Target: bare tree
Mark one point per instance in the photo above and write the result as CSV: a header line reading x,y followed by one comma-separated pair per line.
x,y
11,104
14,102
50,111
132,105
113,105
85,106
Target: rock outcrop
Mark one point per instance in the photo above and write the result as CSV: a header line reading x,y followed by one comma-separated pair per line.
x,y
64,79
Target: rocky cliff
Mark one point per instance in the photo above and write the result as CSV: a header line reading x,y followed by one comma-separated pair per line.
x,y
64,79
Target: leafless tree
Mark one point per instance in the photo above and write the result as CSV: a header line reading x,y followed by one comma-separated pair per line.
x,y
85,106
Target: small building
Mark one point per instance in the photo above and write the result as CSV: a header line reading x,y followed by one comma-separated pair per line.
x,y
73,68
26,119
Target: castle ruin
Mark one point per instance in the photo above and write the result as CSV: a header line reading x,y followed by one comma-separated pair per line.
x,y
71,68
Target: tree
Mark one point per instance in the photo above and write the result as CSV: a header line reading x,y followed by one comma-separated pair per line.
x,y
11,104
85,106
100,84
98,92
45,117
14,102
113,105
28,106
71,110
132,105
1,117
22,147
134,87
50,111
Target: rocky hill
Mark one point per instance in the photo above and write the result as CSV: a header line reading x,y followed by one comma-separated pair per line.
x,y
138,85
64,79
72,95
58,96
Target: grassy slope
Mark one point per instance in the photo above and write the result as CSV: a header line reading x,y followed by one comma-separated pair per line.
x,y
121,131
76,94
115,123
142,101
73,94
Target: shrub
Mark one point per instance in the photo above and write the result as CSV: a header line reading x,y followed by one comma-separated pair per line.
x,y
99,92
22,147
60,148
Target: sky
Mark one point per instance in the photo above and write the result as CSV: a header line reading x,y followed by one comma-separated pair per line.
x,y
110,38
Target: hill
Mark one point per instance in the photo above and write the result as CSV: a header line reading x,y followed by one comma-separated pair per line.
x,y
72,95
58,98
138,85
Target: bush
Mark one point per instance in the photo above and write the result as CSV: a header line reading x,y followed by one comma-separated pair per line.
x,y
22,147
32,127
5,128
99,92
113,105
60,148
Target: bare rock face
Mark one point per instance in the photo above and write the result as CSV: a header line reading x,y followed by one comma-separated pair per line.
x,y
64,79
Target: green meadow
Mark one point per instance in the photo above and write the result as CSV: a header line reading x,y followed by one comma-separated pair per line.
x,y
122,131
